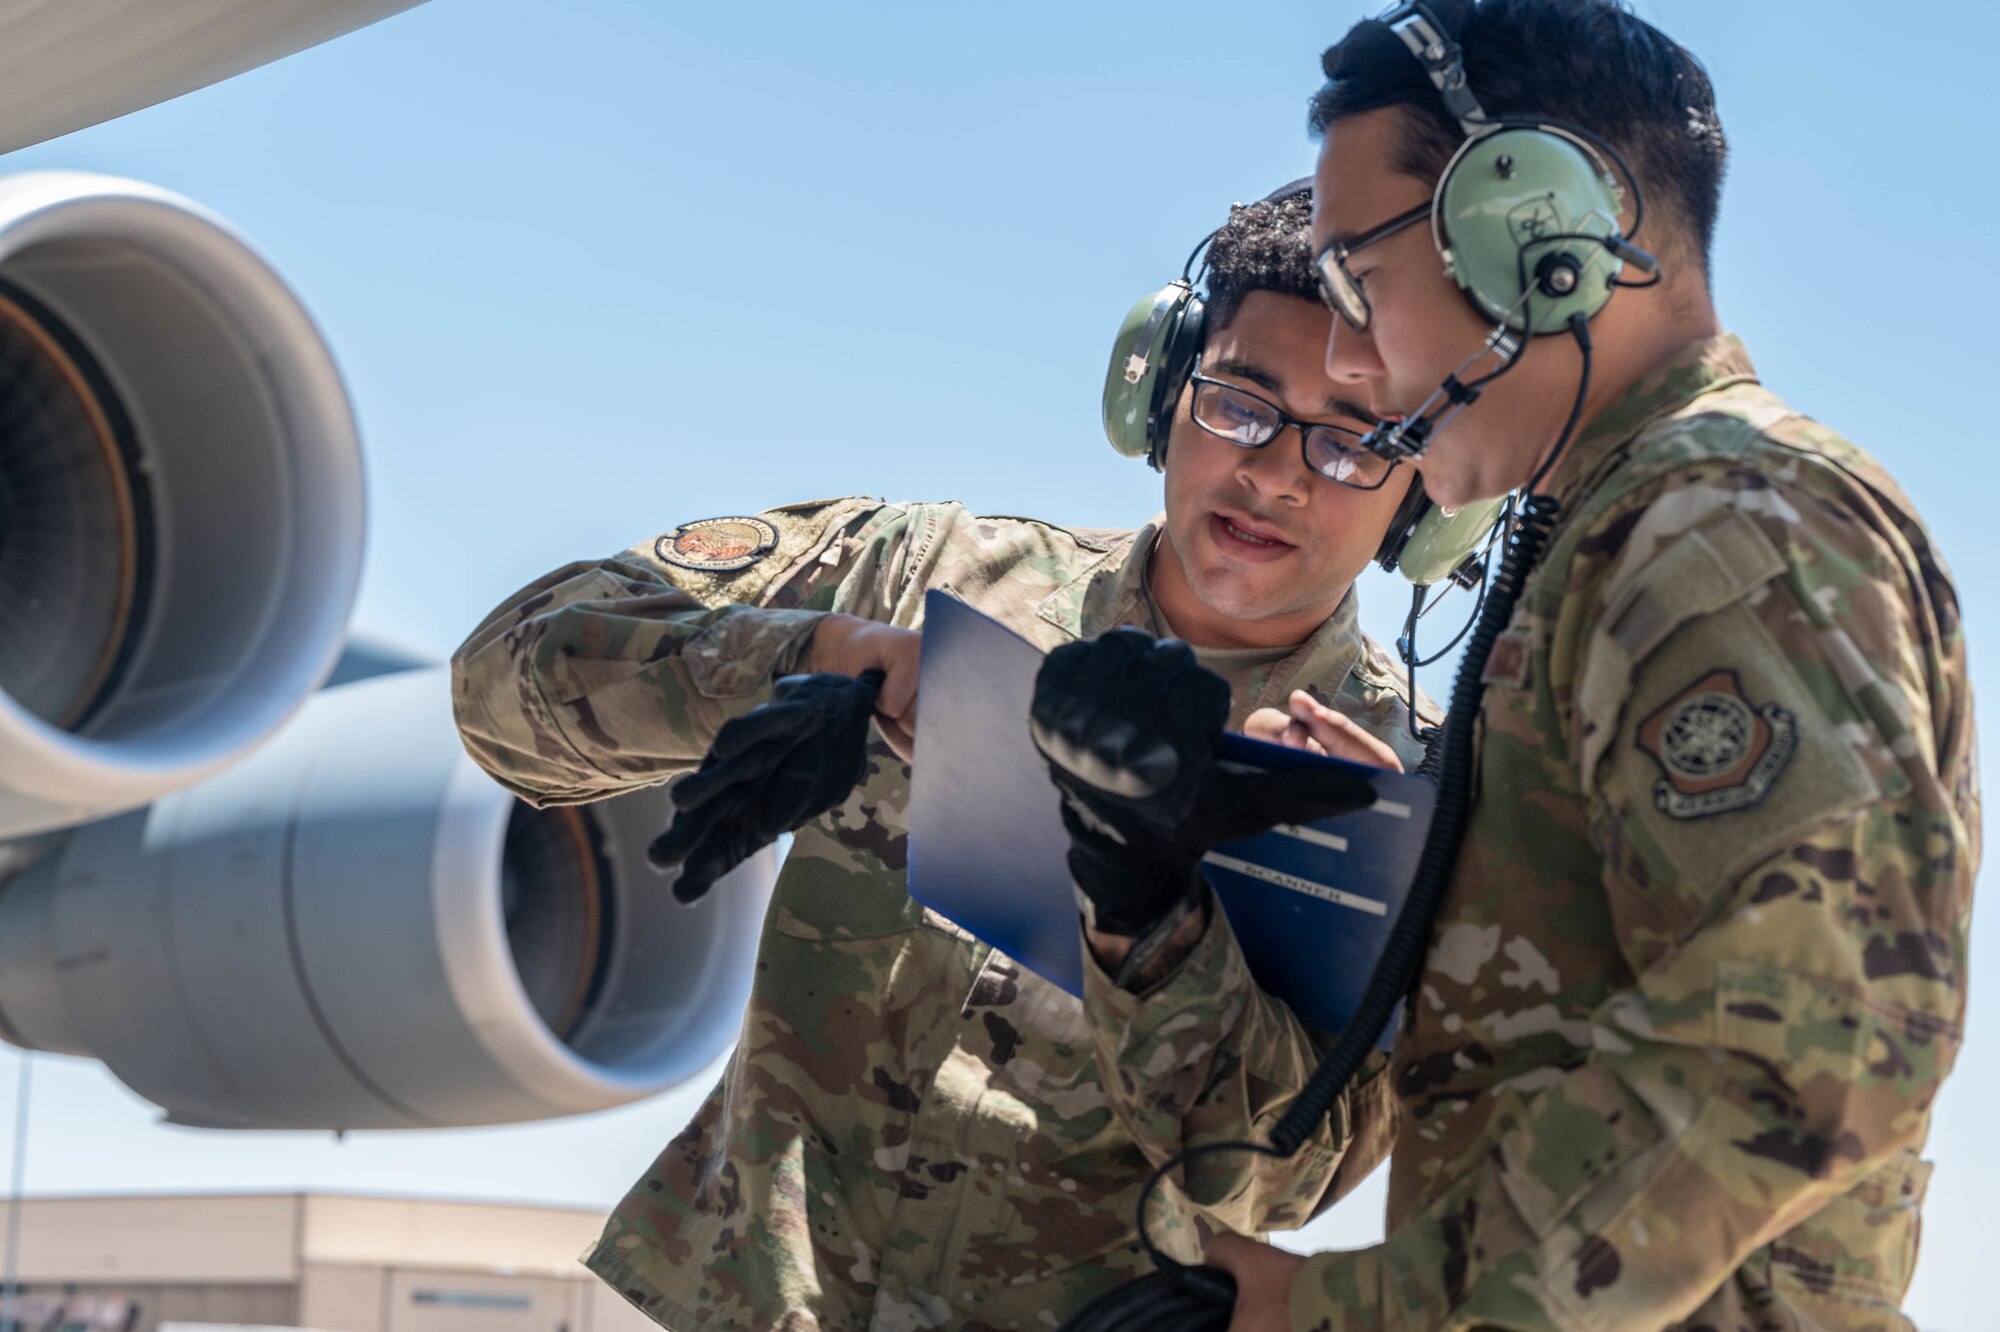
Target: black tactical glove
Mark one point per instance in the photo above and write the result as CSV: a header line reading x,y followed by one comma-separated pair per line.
x,y
770,771
1131,729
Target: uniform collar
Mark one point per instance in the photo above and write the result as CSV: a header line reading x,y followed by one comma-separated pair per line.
x,y
1697,369
1111,591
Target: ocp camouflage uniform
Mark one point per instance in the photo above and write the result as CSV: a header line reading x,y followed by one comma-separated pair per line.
x,y
914,1131
1702,966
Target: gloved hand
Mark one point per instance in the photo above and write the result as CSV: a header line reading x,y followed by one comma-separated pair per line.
x,y
770,771
1131,729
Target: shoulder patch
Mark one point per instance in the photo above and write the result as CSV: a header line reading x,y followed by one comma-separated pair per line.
x,y
717,545
1719,751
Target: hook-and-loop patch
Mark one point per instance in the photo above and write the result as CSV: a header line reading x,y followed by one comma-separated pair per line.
x,y
1719,750
717,545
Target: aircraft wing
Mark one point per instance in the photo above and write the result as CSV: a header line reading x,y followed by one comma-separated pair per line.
x,y
65,64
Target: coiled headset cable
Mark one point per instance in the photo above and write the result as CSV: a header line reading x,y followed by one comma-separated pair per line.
x,y
1184,1297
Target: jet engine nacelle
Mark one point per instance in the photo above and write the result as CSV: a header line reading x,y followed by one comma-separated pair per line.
x,y
181,510
356,928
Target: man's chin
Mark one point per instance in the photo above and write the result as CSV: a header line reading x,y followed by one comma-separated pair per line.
x,y
1245,599
1451,485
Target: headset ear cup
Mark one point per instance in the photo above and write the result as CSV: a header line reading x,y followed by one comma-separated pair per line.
x,y
1439,543
1182,350
1521,213
1139,356
1414,506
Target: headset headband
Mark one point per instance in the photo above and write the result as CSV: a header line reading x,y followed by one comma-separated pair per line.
x,y
1431,42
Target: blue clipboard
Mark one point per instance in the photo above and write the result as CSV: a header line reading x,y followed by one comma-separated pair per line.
x,y
1311,907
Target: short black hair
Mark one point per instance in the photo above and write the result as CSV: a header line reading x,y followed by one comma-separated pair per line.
x,y
1264,246
1593,63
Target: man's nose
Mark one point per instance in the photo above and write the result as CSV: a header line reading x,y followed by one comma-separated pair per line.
x,y
1277,472
1351,357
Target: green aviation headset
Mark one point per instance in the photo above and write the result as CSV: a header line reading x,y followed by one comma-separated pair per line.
x,y
1525,217
1151,359
1519,200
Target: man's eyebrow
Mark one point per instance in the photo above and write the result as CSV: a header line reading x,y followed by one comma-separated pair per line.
x,y
1256,374
1267,381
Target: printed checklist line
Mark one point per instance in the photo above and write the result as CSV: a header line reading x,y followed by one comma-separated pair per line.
x,y
1296,884
1331,841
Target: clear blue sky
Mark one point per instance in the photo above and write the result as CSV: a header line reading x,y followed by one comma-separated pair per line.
x,y
597,268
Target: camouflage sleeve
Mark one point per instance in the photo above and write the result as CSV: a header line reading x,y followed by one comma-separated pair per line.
x,y
1207,1056
602,677
1780,793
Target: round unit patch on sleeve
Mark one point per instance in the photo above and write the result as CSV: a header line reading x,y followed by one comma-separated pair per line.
x,y
717,545
1720,752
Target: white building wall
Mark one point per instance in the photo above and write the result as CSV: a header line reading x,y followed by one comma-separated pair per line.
x,y
239,1240
399,1232
342,1299
331,1263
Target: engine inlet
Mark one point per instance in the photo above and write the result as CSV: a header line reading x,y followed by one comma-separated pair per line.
x,y
75,521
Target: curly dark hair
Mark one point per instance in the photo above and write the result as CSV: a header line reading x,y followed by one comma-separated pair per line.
x,y
1264,246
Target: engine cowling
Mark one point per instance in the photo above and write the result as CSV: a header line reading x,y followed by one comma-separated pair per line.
x,y
356,928
181,511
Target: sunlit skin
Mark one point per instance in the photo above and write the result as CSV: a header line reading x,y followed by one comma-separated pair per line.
x,y
1423,328
1216,588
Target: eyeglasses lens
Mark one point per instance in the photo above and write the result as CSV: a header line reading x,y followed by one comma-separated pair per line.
x,y
1237,417
1339,291
1338,455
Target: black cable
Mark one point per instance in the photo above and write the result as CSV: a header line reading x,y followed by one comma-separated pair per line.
x,y
1181,1298
1406,644
1406,651
1418,663
1579,328
1396,968
1184,1298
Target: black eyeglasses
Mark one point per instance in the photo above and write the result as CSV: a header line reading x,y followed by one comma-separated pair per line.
x,y
1338,287
1250,422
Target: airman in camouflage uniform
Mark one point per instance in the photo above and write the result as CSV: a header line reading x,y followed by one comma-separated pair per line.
x,y
915,1131
1700,970
1702,966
